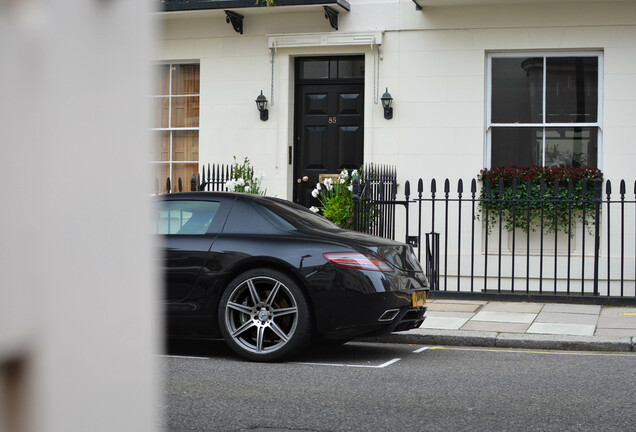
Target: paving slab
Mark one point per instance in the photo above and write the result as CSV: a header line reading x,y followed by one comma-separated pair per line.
x,y
563,342
447,323
472,302
571,308
454,307
626,322
513,307
495,326
447,314
509,317
562,329
615,332
566,318
617,311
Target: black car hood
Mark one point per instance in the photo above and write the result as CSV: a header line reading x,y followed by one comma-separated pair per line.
x,y
396,253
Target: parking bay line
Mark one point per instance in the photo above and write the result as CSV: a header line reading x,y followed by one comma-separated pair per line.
x,y
383,365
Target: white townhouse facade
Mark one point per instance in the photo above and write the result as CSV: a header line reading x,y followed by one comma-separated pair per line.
x,y
474,84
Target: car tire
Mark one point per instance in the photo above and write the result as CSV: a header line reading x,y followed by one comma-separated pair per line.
x,y
264,316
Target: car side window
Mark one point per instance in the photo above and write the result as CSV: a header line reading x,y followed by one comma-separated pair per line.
x,y
185,217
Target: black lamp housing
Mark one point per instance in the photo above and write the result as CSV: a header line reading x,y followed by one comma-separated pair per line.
x,y
386,104
261,104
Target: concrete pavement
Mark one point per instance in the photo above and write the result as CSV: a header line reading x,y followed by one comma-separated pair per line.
x,y
524,325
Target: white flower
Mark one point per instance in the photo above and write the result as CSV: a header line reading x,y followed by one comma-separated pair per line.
x,y
313,209
315,193
240,181
342,180
247,189
328,183
318,186
350,187
354,173
230,185
344,174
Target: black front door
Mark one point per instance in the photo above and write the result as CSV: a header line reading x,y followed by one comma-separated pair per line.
x,y
329,121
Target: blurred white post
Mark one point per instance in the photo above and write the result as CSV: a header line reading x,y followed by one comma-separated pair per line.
x,y
78,321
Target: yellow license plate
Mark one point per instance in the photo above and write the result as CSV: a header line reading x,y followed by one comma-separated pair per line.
x,y
419,298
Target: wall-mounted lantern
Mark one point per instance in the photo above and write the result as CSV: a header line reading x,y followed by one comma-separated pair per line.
x,y
386,104
261,104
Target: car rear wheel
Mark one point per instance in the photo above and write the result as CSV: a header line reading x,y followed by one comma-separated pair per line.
x,y
264,316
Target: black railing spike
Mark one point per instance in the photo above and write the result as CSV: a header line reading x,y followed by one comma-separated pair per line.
x,y
634,187
501,188
433,187
556,189
203,172
420,186
542,188
193,183
608,188
407,189
473,187
179,185
460,187
446,187
570,188
168,185
528,188
487,188
622,189
584,188
514,188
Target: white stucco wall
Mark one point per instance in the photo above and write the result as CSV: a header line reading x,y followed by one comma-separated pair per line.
x,y
434,64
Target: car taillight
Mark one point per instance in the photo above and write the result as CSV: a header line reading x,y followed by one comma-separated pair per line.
x,y
357,260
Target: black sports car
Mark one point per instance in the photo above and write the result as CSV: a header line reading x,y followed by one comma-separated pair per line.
x,y
270,276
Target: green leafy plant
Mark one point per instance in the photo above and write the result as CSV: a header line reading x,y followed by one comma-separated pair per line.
x,y
336,199
243,179
521,204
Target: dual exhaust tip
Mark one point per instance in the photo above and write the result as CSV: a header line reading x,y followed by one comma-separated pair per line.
x,y
389,315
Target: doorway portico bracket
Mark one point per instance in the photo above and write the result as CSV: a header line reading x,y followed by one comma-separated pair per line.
x,y
236,20
332,15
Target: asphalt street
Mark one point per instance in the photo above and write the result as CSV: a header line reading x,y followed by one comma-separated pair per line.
x,y
398,387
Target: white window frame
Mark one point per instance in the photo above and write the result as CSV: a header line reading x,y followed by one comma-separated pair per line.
x,y
544,54
169,129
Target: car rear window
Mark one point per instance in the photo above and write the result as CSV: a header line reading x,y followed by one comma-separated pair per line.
x,y
289,214
184,217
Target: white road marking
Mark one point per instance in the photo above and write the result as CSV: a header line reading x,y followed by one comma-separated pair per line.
x,y
419,350
383,365
183,357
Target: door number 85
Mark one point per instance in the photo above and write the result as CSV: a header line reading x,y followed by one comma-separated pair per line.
x,y
333,120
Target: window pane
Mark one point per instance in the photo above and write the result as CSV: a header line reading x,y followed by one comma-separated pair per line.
x,y
185,112
518,146
351,68
185,79
572,89
183,172
185,146
517,90
577,147
163,80
160,150
185,217
312,69
162,109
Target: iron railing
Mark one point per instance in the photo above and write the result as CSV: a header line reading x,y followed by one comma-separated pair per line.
x,y
374,193
589,251
214,179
